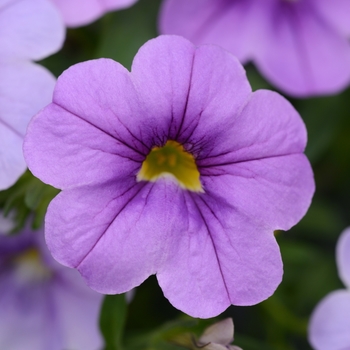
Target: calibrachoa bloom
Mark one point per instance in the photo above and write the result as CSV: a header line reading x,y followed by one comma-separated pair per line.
x,y
219,336
29,30
301,46
43,304
175,169
81,12
329,323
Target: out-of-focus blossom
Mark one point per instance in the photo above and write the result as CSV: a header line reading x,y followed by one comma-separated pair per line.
x,y
25,88
43,304
81,12
219,336
301,46
175,169
330,321
7,223
29,30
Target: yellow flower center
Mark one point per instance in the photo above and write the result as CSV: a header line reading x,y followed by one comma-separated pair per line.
x,y
171,160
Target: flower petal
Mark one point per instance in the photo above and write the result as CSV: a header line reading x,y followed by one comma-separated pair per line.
x,y
81,12
72,152
301,46
57,312
24,312
77,310
302,55
188,92
213,346
266,126
87,128
101,92
219,90
329,323
30,29
245,162
116,235
12,163
162,72
220,333
221,259
343,257
336,12
232,25
31,86
275,192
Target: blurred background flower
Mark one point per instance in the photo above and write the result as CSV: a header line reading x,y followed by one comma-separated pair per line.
x,y
29,30
218,336
301,47
330,321
82,12
44,306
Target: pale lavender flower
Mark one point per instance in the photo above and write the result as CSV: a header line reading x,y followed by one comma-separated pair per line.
x,y
330,321
82,12
29,30
300,46
175,169
218,336
43,304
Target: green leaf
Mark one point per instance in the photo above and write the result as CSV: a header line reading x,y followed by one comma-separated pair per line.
x,y
27,200
175,334
112,320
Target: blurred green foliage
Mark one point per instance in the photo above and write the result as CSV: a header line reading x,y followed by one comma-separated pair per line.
x,y
112,321
279,323
27,199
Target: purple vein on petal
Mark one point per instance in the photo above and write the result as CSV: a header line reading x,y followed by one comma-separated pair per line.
x,y
243,161
179,131
132,135
142,186
212,241
104,131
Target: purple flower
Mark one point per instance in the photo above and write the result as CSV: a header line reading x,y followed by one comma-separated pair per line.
x,y
43,304
329,323
82,12
175,169
301,46
29,30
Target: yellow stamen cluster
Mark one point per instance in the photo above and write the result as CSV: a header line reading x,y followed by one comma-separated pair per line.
x,y
173,160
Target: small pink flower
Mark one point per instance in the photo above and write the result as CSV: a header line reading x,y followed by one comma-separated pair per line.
x,y
81,12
